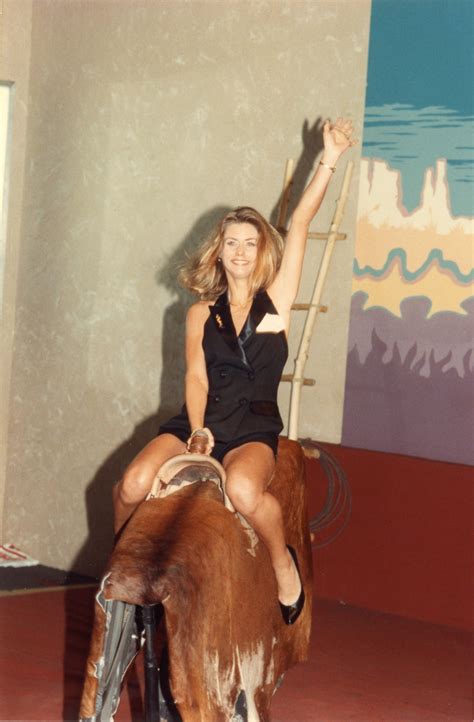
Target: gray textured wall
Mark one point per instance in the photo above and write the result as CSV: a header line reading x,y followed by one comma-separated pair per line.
x,y
145,121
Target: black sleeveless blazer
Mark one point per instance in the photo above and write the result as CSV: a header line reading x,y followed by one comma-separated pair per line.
x,y
243,371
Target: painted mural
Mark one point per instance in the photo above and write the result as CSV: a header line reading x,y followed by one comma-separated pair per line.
x,y
410,375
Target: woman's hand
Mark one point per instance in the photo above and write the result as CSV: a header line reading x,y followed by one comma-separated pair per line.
x,y
201,441
337,138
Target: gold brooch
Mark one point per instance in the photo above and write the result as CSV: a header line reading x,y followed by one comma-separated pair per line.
x,y
219,320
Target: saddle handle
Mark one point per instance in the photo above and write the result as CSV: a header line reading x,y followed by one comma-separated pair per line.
x,y
198,442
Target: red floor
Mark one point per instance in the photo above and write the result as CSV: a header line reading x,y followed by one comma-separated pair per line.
x,y
364,666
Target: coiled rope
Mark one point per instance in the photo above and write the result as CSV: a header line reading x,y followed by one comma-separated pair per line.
x,y
336,512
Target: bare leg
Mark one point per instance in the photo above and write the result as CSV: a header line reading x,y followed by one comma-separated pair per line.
x,y
249,469
140,474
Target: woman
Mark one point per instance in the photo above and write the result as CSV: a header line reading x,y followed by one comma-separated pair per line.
x,y
236,347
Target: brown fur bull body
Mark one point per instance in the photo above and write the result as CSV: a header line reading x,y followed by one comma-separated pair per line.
x,y
223,624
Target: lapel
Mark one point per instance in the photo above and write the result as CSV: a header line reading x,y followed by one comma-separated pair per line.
x,y
224,324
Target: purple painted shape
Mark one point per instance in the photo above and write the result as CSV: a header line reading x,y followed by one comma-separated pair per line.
x,y
444,333
418,401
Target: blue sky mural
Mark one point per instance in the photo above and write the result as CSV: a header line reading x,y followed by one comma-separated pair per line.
x,y
420,98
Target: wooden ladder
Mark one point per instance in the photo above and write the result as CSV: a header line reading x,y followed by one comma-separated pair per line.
x,y
313,308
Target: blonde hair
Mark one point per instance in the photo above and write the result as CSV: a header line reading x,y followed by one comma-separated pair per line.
x,y
203,273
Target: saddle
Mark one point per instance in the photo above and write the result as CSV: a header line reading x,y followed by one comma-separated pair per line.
x,y
189,468
186,469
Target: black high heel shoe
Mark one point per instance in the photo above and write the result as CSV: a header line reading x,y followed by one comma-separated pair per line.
x,y
291,612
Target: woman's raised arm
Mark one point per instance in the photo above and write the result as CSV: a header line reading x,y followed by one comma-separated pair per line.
x,y
337,138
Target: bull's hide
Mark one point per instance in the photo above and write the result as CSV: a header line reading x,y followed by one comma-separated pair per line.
x,y
223,623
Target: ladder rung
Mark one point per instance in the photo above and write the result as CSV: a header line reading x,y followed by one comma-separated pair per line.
x,y
291,377
325,236
307,306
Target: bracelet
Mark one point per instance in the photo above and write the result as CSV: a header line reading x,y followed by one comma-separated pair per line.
x,y
330,167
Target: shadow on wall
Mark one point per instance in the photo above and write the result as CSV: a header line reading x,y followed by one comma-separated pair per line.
x,y
94,552
312,139
172,347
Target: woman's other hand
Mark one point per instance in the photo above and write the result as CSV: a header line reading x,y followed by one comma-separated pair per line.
x,y
201,441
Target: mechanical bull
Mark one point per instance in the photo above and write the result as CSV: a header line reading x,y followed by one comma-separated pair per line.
x,y
227,644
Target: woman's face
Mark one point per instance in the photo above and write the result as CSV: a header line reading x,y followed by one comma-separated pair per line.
x,y
239,249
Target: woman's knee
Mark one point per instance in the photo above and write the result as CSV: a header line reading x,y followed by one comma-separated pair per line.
x,y
135,483
245,494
